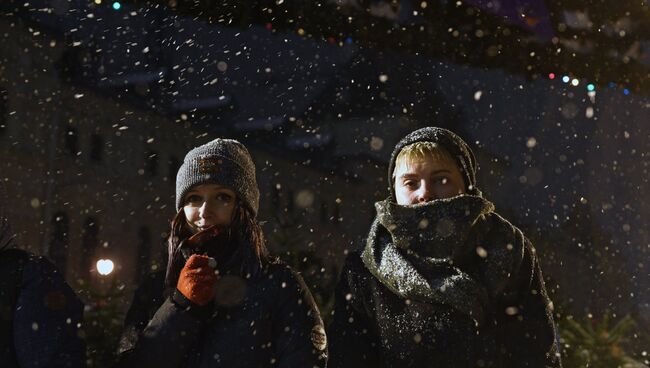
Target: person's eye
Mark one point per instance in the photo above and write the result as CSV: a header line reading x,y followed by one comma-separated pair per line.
x,y
442,180
410,183
193,198
224,197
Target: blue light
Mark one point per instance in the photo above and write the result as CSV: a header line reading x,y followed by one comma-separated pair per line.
x,y
348,40
590,87
117,5
612,84
566,79
626,91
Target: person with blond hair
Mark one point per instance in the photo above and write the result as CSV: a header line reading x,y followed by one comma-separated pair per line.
x,y
442,280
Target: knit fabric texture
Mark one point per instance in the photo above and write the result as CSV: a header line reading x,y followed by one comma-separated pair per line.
x,y
224,162
451,142
413,250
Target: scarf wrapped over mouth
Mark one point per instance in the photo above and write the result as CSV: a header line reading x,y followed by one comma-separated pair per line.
x,y
413,250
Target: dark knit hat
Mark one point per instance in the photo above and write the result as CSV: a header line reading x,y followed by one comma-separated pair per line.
x,y
225,162
452,143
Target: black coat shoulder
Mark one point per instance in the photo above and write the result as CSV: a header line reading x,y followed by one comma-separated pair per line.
x,y
276,306
46,316
355,278
147,298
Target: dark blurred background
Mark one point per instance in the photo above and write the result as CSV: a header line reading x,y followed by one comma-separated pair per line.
x,y
100,100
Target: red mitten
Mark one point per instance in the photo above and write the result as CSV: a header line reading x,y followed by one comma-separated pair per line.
x,y
196,280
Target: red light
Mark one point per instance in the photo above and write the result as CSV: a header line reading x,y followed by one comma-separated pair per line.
x,y
269,26
551,75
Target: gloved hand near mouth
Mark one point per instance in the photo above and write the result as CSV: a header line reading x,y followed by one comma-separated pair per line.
x,y
197,279
201,242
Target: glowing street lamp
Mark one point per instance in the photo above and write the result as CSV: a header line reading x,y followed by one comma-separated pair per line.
x,y
105,267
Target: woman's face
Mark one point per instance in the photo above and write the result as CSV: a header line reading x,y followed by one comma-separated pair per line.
x,y
207,205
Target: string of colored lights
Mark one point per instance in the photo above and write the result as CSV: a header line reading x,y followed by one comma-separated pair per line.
x,y
116,5
590,86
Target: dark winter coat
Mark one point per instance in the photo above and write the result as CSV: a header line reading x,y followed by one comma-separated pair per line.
x,y
447,283
40,316
39,312
266,321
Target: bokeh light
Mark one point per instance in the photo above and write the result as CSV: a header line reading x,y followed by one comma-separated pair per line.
x,y
105,267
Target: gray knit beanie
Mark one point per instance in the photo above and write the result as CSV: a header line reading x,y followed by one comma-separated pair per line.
x,y
225,162
455,145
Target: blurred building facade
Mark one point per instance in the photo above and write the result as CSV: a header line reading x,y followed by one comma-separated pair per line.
x,y
92,177
97,120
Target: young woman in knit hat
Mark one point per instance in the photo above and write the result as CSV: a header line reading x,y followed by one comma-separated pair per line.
x,y
442,281
222,302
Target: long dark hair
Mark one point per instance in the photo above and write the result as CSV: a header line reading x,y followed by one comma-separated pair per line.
x,y
245,234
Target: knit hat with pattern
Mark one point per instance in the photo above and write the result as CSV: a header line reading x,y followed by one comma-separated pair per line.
x,y
222,161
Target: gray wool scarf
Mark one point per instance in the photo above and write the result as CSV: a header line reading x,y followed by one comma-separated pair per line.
x,y
412,251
